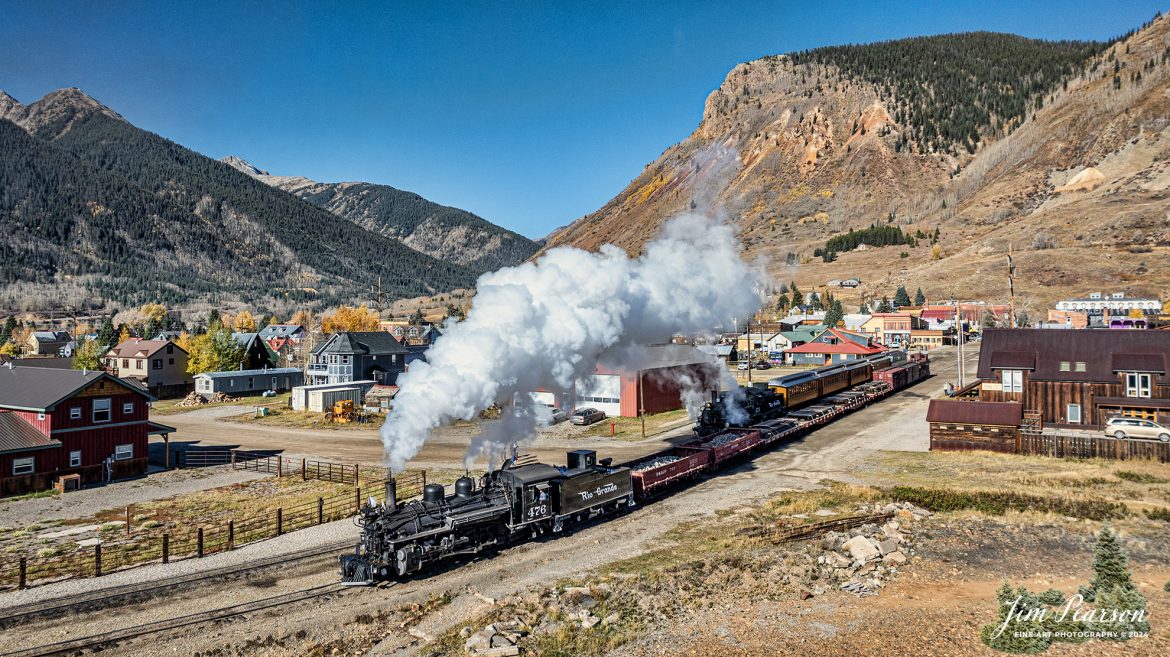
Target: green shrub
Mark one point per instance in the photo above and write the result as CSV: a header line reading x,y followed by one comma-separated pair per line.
x,y
1139,477
996,503
1159,513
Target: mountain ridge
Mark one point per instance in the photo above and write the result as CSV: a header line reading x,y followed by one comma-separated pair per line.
x,y
795,149
123,215
437,230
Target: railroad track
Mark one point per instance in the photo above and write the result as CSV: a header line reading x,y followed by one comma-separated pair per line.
x,y
781,535
223,613
115,595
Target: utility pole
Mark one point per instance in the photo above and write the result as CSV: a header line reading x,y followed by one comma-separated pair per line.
x,y
1011,289
962,364
379,296
751,352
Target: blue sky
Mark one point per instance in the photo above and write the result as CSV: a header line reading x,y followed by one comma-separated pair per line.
x,y
530,114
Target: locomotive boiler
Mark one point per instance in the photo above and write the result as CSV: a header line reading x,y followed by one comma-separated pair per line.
x,y
509,504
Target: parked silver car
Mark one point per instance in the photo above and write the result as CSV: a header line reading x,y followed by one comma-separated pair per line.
x,y
1133,427
586,416
558,414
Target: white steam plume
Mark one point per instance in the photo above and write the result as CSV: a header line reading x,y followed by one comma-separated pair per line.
x,y
546,325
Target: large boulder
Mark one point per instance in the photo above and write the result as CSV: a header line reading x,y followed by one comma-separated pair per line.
x,y
861,548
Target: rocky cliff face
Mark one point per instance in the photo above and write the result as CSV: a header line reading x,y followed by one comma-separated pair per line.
x,y
794,150
439,231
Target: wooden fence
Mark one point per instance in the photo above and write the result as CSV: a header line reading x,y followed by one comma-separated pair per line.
x,y
165,544
1094,447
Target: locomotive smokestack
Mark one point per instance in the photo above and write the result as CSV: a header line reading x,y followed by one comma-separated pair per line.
x,y
391,493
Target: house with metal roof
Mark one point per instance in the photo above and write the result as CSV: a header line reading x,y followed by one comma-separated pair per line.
x,y
831,346
248,382
357,356
55,422
257,353
48,343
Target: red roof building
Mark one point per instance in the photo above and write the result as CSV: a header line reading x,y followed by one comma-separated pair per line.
x,y
831,346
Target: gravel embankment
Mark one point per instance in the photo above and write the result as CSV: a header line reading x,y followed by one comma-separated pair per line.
x,y
90,501
319,536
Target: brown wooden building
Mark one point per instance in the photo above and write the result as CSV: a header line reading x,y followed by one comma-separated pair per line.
x,y
1077,378
968,425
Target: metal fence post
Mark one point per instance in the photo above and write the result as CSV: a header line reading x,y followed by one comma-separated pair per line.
x,y
233,459
279,467
357,500
231,535
166,548
279,521
304,474
23,572
356,479
320,510
97,560
199,543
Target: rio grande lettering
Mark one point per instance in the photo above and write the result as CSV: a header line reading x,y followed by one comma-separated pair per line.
x,y
600,490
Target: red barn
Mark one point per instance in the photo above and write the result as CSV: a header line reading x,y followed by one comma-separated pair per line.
x,y
57,421
657,376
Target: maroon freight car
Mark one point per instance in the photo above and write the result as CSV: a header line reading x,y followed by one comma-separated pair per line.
x,y
730,443
658,471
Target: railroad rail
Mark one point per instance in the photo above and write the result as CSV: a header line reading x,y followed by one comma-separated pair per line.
x,y
127,593
223,613
785,534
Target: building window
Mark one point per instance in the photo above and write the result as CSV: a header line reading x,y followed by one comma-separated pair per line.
x,y
1073,413
1013,380
75,413
1065,366
171,361
75,459
1080,366
156,364
1137,385
171,349
140,363
123,452
101,410
126,363
40,416
128,408
345,360
23,466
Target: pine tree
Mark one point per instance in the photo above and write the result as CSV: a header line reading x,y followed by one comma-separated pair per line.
x,y
106,336
919,298
782,302
797,297
884,306
863,308
835,314
901,297
213,320
1110,565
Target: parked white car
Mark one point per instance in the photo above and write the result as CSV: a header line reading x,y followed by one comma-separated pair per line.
x,y
1133,427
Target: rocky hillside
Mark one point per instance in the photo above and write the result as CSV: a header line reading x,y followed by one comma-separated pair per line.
x,y
439,231
984,138
100,211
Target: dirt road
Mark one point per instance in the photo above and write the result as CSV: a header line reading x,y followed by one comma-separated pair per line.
x,y
838,450
447,446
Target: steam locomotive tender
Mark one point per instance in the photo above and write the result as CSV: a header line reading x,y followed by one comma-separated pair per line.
x,y
509,504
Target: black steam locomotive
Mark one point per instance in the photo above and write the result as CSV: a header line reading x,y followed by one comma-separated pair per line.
x,y
514,502
755,404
